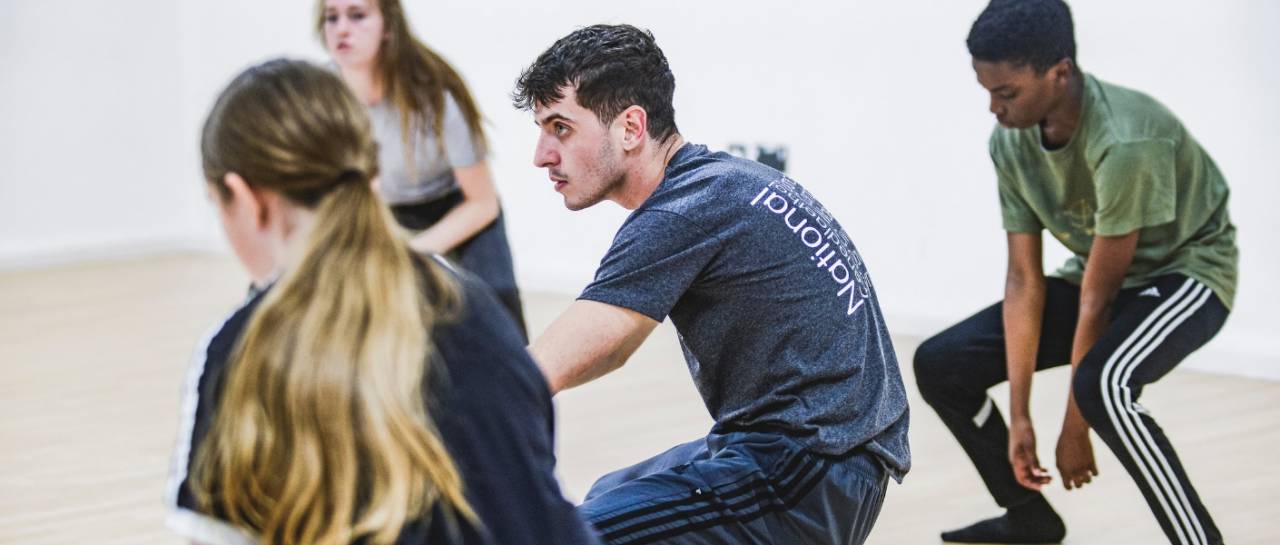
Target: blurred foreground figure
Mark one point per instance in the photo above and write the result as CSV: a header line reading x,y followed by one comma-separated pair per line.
x,y
364,394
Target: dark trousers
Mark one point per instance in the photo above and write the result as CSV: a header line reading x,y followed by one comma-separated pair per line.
x,y
740,488
1152,329
486,255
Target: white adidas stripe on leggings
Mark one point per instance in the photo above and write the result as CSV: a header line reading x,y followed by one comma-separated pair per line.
x,y
1118,399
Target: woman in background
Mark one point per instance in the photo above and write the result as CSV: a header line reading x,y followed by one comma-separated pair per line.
x,y
431,141
365,394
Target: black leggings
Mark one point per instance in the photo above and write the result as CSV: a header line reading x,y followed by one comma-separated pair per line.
x,y
486,255
1152,329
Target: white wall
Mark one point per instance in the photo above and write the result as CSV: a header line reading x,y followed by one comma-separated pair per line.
x,y
219,40
79,86
876,101
1217,70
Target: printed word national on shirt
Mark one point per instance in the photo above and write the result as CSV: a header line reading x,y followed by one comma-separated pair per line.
x,y
810,236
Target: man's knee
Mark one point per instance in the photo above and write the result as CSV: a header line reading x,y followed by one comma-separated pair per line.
x,y
1091,394
933,366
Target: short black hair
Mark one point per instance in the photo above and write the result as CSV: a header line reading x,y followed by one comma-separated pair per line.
x,y
1038,33
611,67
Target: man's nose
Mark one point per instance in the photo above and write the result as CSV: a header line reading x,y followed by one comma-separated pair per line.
x,y
544,156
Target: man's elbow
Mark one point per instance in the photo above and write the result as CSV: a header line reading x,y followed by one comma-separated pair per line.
x,y
1020,279
1095,305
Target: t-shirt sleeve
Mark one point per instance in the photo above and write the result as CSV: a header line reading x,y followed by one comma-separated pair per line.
x,y
1016,215
460,145
1135,186
655,257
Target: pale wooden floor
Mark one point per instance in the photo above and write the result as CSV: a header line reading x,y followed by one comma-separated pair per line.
x,y
91,358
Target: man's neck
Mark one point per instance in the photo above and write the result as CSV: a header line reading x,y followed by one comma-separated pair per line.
x,y
643,179
1058,127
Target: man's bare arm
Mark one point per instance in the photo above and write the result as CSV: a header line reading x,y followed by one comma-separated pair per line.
x,y
1023,311
588,341
1109,259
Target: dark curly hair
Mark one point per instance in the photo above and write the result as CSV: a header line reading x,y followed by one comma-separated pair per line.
x,y
1038,33
611,68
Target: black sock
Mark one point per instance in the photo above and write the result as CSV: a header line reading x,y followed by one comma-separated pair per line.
x,y
1033,521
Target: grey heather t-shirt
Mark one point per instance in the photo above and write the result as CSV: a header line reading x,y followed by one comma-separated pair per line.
x,y
776,314
432,175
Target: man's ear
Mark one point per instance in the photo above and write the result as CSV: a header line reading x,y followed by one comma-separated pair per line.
x,y
1062,71
635,126
245,198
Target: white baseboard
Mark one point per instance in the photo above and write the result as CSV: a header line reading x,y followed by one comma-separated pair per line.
x,y
1232,353
543,279
14,259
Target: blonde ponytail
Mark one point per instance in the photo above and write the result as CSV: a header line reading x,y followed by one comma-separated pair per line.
x,y
321,435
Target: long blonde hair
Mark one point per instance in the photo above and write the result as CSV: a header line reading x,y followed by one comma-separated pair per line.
x,y
416,79
322,435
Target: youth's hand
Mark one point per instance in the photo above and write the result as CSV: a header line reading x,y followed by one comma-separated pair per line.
x,y
1075,457
1022,455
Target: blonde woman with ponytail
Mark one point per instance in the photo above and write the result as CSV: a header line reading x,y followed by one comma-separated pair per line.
x,y
364,394
435,175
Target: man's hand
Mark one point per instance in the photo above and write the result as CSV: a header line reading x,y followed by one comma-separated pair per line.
x,y
1022,456
1109,259
1075,456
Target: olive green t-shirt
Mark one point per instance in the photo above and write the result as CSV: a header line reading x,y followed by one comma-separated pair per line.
x,y
1129,166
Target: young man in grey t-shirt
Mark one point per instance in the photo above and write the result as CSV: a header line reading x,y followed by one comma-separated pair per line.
x,y
777,317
